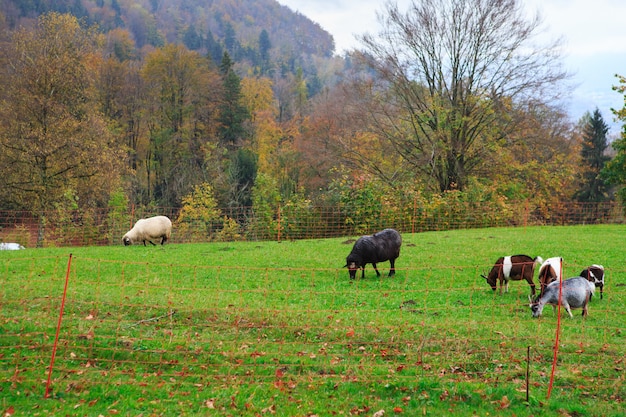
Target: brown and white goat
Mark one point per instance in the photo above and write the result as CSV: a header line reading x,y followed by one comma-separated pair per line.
x,y
515,268
550,271
595,274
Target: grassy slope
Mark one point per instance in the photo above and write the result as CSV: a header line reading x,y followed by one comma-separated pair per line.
x,y
266,326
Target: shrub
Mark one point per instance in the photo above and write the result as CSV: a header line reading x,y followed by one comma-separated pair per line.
x,y
199,214
265,203
230,231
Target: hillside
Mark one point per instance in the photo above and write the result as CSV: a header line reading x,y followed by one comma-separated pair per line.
x,y
209,26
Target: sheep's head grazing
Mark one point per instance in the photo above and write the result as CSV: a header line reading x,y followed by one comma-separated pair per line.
x,y
126,240
353,263
352,268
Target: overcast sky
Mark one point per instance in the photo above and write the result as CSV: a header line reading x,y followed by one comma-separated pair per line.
x,y
593,32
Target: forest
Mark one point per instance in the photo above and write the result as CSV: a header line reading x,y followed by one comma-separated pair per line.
x,y
201,106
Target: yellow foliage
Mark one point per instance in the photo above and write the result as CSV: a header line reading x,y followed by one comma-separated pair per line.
x,y
267,139
199,206
230,231
257,96
199,212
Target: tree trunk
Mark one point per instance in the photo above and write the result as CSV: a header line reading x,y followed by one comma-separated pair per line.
x,y
41,230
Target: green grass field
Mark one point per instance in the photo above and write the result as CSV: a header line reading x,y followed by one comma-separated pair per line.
x,y
268,328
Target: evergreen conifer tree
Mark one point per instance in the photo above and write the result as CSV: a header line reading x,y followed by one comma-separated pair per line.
x,y
264,52
593,188
233,113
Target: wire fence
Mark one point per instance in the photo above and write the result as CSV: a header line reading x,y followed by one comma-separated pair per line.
x,y
291,222
182,333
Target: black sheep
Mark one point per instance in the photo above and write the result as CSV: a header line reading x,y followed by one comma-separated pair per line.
x,y
379,247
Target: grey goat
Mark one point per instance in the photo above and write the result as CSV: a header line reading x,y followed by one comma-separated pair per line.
x,y
576,293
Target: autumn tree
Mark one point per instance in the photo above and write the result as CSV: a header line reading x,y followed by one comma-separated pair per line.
x,y
178,83
448,72
198,213
291,94
536,162
337,134
258,99
122,97
53,141
300,92
275,144
593,153
144,28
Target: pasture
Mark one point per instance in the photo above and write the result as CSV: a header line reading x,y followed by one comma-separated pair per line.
x,y
268,328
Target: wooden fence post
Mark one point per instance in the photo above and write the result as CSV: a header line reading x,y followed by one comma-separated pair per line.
x,y
278,219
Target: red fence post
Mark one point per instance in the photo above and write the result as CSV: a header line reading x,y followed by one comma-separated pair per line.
x,y
56,337
558,331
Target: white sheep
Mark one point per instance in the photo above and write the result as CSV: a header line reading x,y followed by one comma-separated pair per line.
x,y
10,246
149,229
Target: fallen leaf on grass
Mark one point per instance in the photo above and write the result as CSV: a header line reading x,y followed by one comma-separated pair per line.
x,y
505,402
9,412
379,413
87,336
